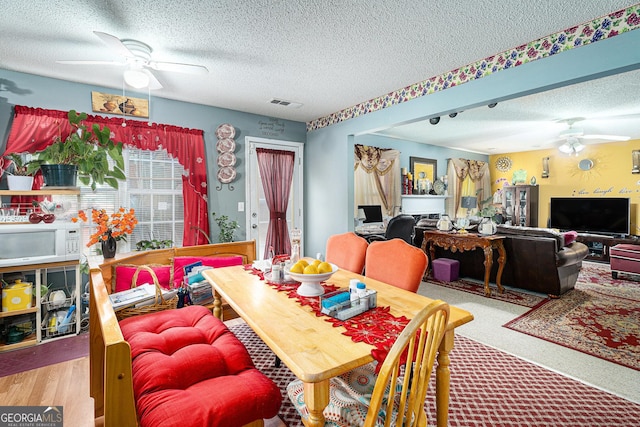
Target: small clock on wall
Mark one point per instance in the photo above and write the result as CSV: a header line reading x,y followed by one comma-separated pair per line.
x,y
503,164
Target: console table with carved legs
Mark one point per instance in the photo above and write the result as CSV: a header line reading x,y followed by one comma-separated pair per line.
x,y
469,241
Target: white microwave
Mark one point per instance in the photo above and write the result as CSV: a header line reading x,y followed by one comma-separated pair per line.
x,y
23,244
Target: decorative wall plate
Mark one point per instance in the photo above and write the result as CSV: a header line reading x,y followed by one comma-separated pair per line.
x,y
503,164
227,174
226,145
226,159
438,187
225,130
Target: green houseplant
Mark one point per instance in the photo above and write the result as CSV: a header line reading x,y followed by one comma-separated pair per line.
x,y
227,228
85,150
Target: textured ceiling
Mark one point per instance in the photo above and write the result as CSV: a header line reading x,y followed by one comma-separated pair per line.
x,y
325,54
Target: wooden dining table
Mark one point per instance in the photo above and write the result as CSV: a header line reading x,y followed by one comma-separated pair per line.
x,y
312,348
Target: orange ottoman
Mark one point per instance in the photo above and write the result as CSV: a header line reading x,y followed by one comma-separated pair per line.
x,y
624,258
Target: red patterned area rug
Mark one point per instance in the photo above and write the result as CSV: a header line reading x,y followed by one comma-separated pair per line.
x,y
512,296
600,317
488,388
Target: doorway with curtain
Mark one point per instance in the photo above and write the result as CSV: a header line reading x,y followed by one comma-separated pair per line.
x,y
270,217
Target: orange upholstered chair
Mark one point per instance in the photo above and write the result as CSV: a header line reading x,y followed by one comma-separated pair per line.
x,y
347,251
397,263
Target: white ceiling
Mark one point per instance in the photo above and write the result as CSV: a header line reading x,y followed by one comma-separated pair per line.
x,y
325,54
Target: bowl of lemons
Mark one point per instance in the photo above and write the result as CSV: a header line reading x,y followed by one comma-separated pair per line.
x,y
310,274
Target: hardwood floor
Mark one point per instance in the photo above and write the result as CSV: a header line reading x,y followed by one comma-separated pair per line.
x,y
63,384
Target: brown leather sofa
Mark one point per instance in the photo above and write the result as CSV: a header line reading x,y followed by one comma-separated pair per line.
x,y
537,259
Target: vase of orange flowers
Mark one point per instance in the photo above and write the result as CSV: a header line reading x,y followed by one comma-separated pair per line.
x,y
110,228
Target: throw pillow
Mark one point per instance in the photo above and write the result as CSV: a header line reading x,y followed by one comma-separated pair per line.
x,y
125,272
180,262
570,237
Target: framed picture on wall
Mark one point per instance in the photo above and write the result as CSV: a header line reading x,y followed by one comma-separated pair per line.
x,y
424,172
422,168
118,104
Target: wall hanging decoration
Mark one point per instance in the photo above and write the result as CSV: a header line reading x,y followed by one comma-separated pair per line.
x,y
635,158
119,104
226,147
503,164
545,167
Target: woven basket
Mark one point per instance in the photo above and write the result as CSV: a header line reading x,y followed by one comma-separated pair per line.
x,y
160,303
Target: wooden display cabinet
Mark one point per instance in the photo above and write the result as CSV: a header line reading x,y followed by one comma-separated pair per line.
x,y
520,205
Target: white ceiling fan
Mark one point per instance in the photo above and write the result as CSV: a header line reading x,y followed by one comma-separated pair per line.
x,y
572,138
138,63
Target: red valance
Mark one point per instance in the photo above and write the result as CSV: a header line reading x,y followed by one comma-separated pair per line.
x,y
33,129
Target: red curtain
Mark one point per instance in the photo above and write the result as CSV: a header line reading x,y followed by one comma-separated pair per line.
x,y
35,128
276,171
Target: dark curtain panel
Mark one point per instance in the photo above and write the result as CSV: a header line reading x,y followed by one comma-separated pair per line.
x,y
276,172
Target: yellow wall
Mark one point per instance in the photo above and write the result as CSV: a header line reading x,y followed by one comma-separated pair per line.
x,y
610,176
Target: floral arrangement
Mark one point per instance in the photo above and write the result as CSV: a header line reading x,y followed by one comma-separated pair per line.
x,y
117,225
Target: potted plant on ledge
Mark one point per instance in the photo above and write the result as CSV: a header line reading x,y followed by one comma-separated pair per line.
x,y
83,154
19,178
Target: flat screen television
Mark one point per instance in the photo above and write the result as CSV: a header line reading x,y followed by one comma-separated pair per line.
x,y
604,215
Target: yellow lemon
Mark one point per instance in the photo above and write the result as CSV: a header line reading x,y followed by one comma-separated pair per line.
x,y
316,262
297,268
303,262
325,267
311,269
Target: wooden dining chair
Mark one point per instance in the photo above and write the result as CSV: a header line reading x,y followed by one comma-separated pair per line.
x,y
363,398
347,251
396,263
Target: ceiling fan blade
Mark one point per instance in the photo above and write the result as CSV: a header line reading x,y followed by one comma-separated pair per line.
x,y
154,83
608,137
82,62
114,43
178,67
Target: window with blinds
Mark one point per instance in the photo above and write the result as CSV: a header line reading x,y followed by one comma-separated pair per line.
x,y
153,188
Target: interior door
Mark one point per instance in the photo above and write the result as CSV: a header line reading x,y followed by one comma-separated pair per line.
x,y
257,212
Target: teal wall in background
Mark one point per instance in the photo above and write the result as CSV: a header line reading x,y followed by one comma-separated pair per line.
x,y
36,91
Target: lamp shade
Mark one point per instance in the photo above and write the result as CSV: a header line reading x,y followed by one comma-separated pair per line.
x,y
361,214
469,202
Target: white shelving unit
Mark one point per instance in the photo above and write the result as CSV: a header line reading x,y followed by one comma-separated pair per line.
x,y
38,274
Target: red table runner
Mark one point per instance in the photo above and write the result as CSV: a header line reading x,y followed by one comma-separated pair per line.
x,y
376,326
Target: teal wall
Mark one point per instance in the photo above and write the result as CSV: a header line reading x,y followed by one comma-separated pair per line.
x,y
36,91
329,177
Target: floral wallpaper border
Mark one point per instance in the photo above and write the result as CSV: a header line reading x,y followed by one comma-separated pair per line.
x,y
601,28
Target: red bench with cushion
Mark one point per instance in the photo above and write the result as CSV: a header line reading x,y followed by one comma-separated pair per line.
x,y
187,366
190,370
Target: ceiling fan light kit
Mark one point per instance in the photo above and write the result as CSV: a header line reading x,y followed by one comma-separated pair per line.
x,y
571,146
136,78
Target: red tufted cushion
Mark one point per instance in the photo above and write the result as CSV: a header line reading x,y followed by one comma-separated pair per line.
x,y
180,262
190,370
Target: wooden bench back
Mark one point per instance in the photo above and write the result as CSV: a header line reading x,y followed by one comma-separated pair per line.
x,y
246,249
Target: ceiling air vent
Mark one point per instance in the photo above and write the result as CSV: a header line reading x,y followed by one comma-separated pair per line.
x,y
284,103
